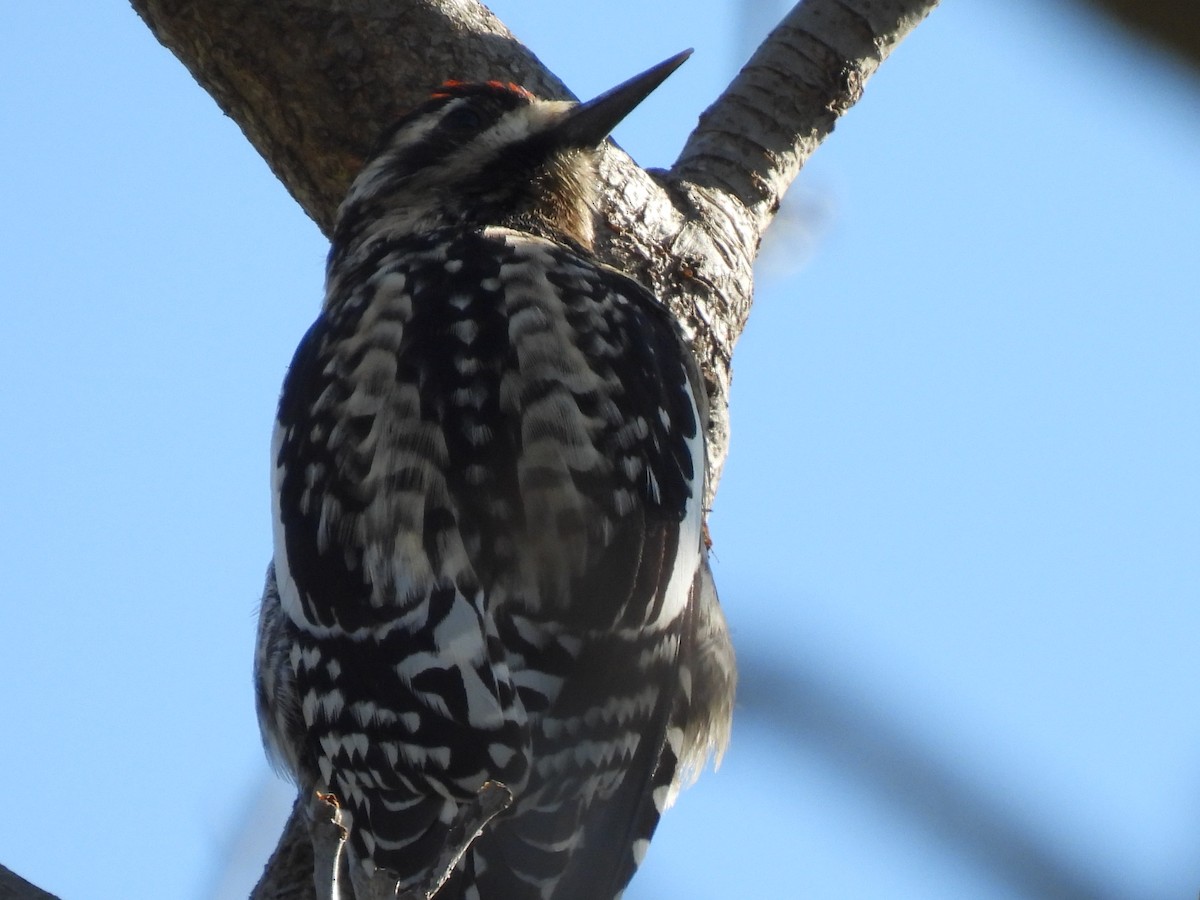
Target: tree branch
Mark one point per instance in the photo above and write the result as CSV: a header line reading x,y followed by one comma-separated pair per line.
x,y
14,887
746,151
311,83
751,143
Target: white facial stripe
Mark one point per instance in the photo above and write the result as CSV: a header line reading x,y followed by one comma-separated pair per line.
x,y
415,202
410,136
512,127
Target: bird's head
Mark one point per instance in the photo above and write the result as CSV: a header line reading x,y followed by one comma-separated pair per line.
x,y
475,155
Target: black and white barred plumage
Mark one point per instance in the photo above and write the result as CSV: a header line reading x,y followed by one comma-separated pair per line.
x,y
489,555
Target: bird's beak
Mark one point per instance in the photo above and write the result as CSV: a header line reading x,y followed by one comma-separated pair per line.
x,y
587,124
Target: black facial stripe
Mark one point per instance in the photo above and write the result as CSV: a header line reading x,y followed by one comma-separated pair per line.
x,y
489,103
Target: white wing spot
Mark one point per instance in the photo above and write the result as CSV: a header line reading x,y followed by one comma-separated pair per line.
x,y
640,846
466,365
465,330
500,754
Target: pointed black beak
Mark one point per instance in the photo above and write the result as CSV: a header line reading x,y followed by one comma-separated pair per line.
x,y
587,124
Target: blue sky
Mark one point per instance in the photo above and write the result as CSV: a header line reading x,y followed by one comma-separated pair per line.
x,y
963,485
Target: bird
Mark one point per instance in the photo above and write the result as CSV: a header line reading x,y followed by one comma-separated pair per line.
x,y
489,646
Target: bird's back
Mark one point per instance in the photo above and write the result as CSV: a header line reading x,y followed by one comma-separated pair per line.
x,y
494,440
489,579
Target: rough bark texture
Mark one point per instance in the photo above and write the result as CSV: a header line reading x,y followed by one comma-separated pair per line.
x,y
288,874
311,82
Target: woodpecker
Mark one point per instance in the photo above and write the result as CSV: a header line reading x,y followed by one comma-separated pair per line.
x,y
489,637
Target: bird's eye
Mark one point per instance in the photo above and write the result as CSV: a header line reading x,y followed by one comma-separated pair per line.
x,y
464,118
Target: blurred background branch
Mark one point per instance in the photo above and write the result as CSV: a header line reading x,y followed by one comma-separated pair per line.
x,y
1173,25
808,710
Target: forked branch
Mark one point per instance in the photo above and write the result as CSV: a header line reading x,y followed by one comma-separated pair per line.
x,y
311,83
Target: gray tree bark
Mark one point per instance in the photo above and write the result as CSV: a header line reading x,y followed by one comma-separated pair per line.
x,y
311,83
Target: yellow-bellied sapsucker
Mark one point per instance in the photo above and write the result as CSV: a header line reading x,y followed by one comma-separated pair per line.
x,y
490,568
